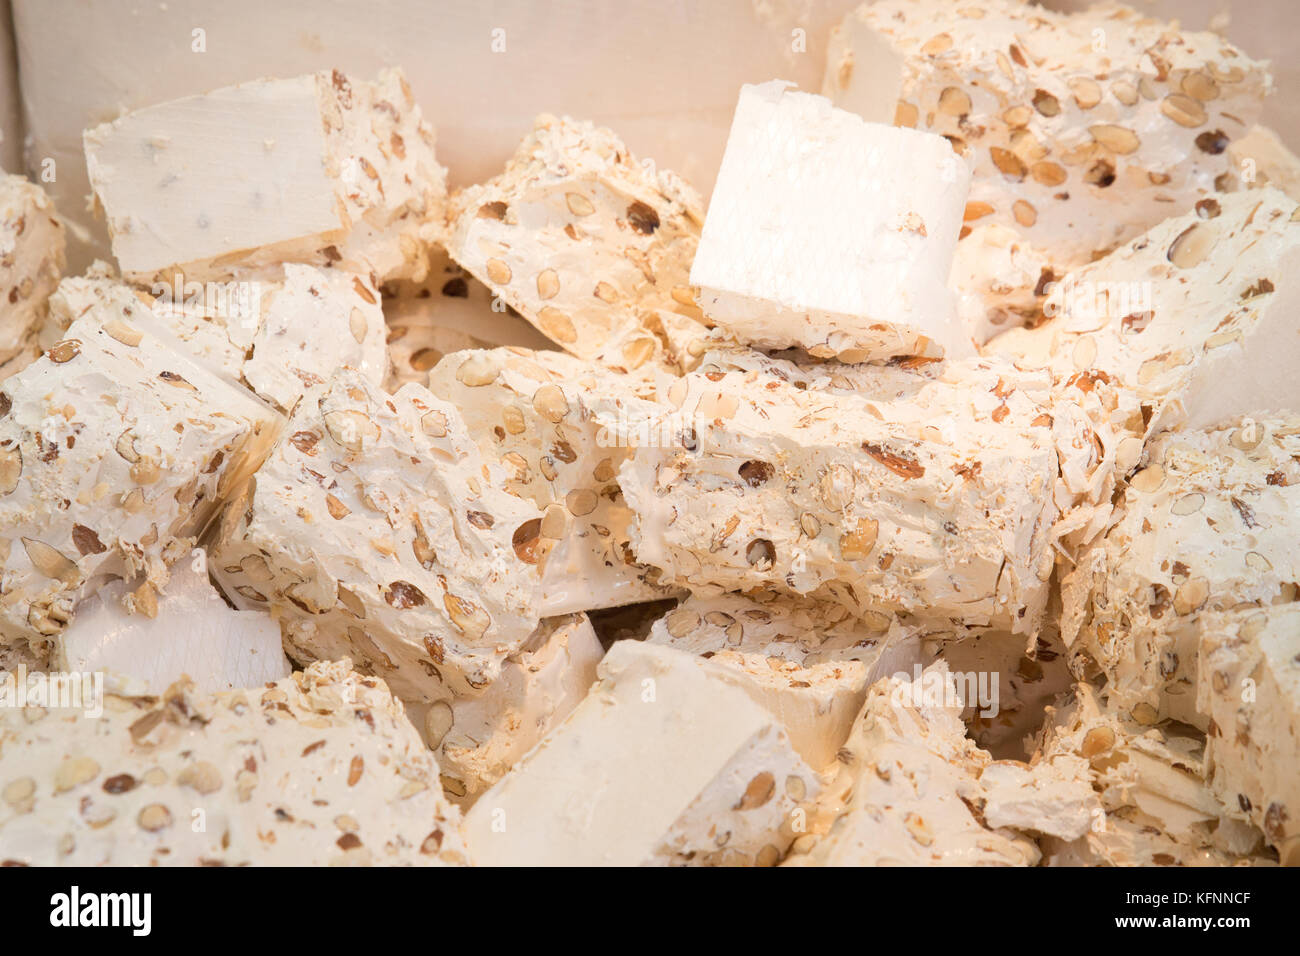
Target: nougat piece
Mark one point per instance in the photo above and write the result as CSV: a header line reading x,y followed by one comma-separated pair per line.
x,y
561,427
188,631
322,169
447,312
278,335
115,450
321,768
1248,684
1015,681
1261,159
1000,281
31,260
1194,317
926,490
581,238
478,739
808,662
1155,809
1084,130
1208,524
831,234
918,795
314,322
661,756
376,531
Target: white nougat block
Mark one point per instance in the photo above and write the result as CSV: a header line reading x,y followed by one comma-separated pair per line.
x,y
830,233
659,759
320,768
478,739
319,168
1196,317
1084,129
190,633
1251,751
808,662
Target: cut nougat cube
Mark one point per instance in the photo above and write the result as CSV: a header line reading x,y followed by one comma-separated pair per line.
x,y
1195,317
561,427
189,631
1248,684
321,768
322,169
661,757
917,490
278,335
808,662
1084,129
1206,525
478,739
114,452
375,531
1155,809
31,259
921,793
831,234
582,239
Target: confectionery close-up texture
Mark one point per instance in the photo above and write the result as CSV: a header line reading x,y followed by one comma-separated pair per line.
x,y
802,433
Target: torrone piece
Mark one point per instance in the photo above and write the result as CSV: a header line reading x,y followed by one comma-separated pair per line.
x,y
320,168
447,312
923,794
920,491
1249,684
1084,130
477,739
584,240
375,531
562,427
189,631
831,234
278,335
1157,808
1208,524
660,758
114,451
318,769
1197,317
808,662
31,258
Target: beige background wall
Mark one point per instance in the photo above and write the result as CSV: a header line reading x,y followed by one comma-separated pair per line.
x,y
662,73
11,136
